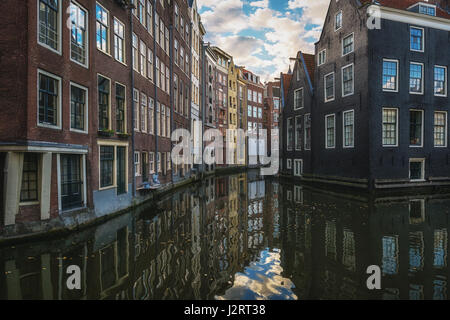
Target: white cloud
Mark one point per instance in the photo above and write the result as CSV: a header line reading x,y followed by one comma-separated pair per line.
x,y
285,32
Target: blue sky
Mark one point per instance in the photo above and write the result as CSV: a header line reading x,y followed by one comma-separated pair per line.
x,y
263,34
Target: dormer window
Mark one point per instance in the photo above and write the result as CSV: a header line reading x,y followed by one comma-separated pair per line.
x,y
427,9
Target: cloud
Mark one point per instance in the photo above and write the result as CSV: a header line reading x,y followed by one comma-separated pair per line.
x,y
263,39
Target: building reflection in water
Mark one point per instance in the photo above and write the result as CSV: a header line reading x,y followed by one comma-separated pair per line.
x,y
243,237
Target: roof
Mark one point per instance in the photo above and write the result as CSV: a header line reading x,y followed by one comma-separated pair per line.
x,y
405,4
286,83
310,64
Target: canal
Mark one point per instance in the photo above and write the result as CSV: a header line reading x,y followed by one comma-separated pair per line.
x,y
244,237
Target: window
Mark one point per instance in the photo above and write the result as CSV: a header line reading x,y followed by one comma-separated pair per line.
x,y
175,56
136,109
157,28
144,168
440,129
167,39
102,28
338,21
349,129
29,187
106,166
427,9
49,29
119,41
151,113
260,98
416,128
103,102
417,169
298,99
135,53
276,103
329,87
71,181
250,111
307,131
416,39
144,109
168,122
250,95
298,167
298,133
348,84
149,17
120,108
177,17
322,57
152,162
347,45
78,43
255,96
290,140
49,99
289,164
416,78
390,128
259,113
390,75
143,55
330,121
440,81
78,108
141,13
163,120
255,112
161,35
137,164
150,64
158,119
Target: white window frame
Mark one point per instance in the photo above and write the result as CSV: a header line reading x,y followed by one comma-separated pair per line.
x,y
323,55
59,108
83,179
422,128
353,80
343,130
446,129
423,39
353,44
422,160
124,50
396,80
86,65
137,165
325,87
108,34
86,108
296,173
423,78
326,131
342,20
59,47
446,81
302,97
396,128
429,6
289,164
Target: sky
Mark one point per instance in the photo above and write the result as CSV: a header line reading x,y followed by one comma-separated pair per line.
x,y
263,34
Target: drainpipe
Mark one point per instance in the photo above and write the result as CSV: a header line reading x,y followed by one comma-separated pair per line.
x,y
171,96
190,87
132,105
155,122
203,102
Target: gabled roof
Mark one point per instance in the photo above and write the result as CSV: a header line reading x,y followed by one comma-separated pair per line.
x,y
405,4
310,64
285,86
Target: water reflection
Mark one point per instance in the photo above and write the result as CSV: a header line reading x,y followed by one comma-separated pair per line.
x,y
243,237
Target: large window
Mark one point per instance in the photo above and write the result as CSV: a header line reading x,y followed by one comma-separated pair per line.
x,y
120,108
390,129
440,129
329,87
330,122
307,131
290,133
347,45
103,102
29,188
390,75
106,166
440,81
79,36
49,99
119,41
348,84
71,182
416,128
349,129
298,132
78,107
143,57
416,39
102,28
416,78
48,23
135,53
298,99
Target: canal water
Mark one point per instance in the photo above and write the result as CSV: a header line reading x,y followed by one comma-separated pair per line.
x,y
245,237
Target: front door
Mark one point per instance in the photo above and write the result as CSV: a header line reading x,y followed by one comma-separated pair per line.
x,y
71,182
121,174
